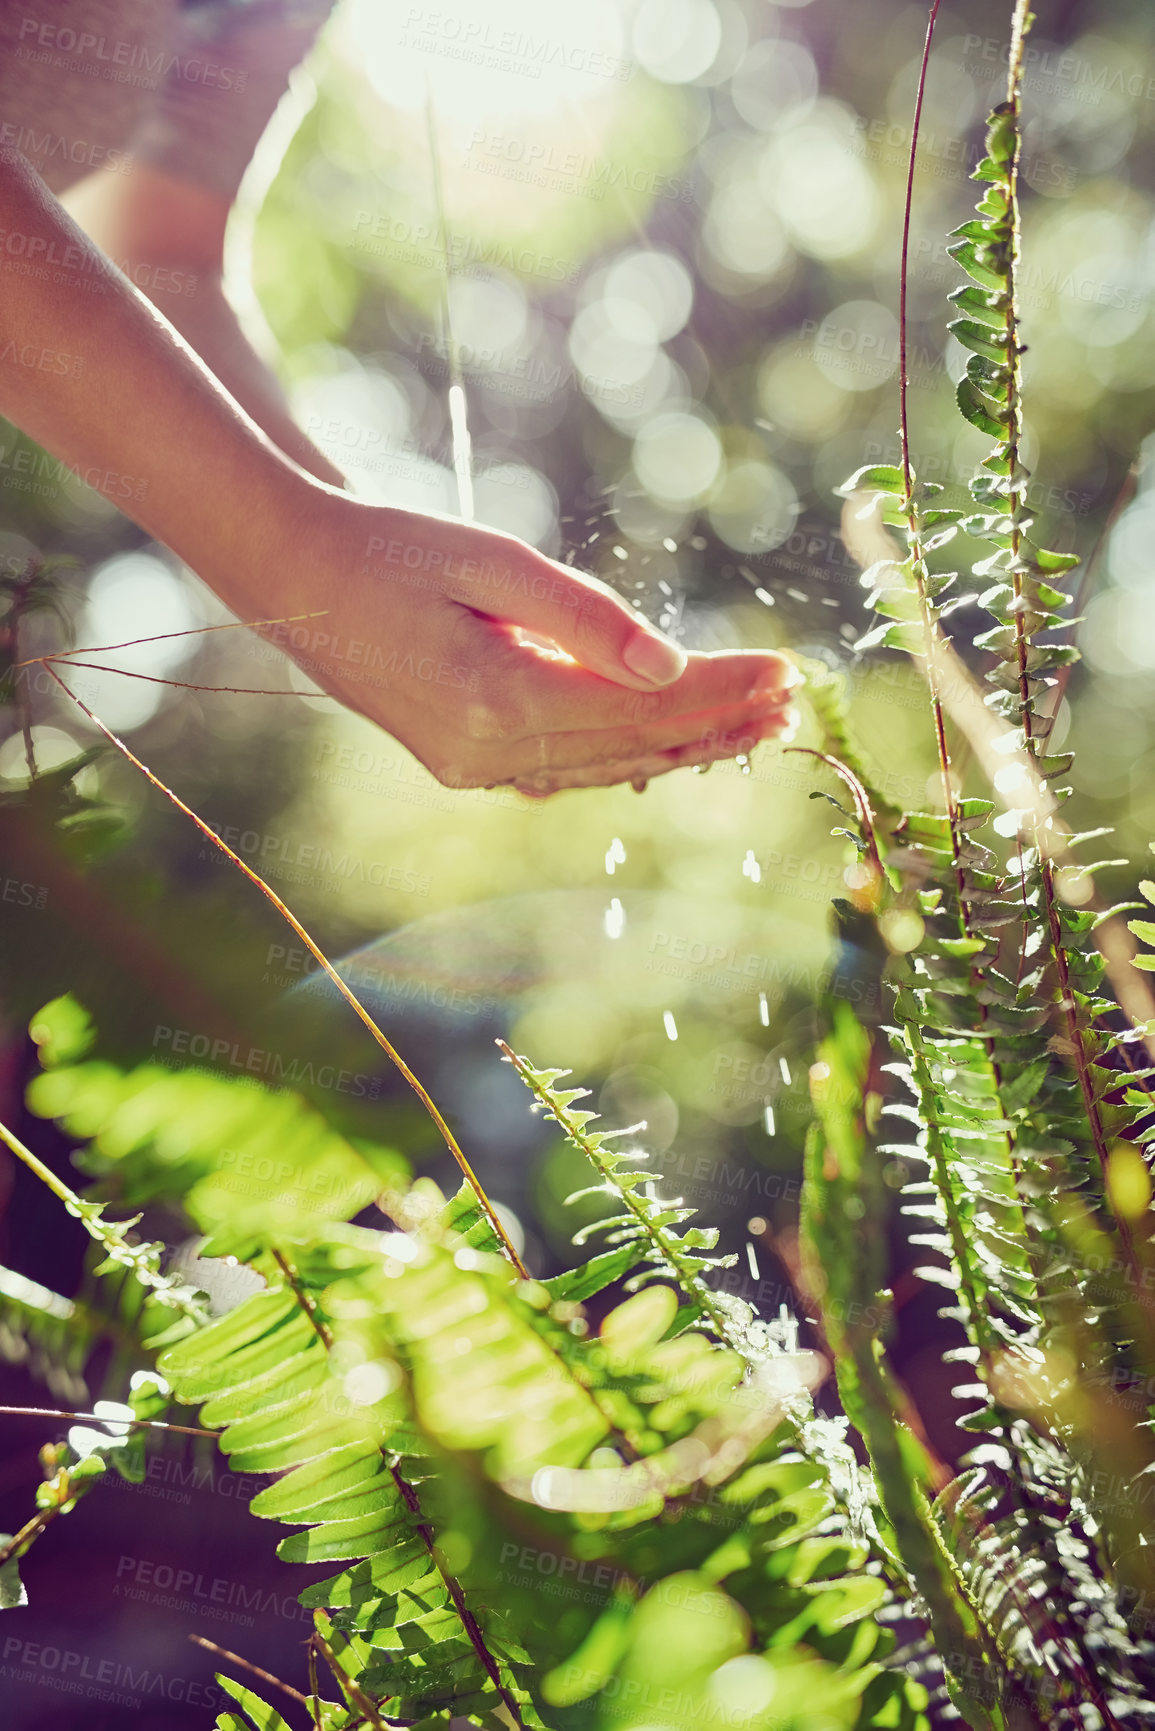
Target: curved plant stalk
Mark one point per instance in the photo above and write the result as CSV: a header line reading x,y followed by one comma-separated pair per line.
x,y
323,962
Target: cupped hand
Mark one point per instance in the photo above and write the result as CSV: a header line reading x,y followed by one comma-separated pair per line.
x,y
495,665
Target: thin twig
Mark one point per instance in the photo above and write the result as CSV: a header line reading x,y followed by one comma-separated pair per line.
x,y
320,958
21,1541
247,1665
126,1423
178,684
903,380
167,636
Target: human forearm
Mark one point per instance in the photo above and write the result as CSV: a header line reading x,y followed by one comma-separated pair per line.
x,y
168,235
94,373
208,323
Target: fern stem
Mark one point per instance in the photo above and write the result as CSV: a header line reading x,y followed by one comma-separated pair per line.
x,y
932,637
412,1502
1034,739
357,1695
860,795
322,961
109,1235
687,1278
314,1690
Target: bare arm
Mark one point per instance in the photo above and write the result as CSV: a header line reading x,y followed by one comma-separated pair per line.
x,y
422,614
169,235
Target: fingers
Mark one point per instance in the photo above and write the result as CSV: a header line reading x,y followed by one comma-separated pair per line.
x,y
636,770
522,691
554,696
728,731
579,613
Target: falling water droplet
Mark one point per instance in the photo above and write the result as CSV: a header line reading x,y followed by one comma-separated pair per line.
x,y
743,763
669,1024
620,552
669,544
785,1069
765,597
768,1120
752,870
764,1009
615,855
615,919
752,1261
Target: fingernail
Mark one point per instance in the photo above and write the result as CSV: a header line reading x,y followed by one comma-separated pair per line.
x,y
654,658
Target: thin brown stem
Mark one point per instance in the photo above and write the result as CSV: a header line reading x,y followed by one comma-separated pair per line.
x,y
167,636
31,1530
19,691
350,1688
247,1665
96,1418
321,959
866,816
177,684
903,379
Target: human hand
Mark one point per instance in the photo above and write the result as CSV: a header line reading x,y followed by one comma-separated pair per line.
x,y
437,631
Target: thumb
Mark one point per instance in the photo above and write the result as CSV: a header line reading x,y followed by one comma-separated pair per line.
x,y
584,617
